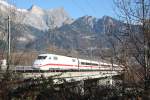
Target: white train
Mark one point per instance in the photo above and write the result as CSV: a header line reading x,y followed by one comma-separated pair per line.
x,y
58,62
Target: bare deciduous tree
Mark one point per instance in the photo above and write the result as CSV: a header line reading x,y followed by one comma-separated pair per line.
x,y
135,34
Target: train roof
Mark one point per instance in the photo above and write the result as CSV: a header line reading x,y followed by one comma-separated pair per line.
x,y
49,54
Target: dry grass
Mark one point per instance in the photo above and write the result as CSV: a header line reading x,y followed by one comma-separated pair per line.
x,y
25,58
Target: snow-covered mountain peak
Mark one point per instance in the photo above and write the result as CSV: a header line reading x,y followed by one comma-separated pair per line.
x,y
3,2
4,5
36,10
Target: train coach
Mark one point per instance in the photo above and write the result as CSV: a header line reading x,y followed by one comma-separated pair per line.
x,y
46,62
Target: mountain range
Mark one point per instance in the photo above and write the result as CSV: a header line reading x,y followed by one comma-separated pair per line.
x,y
37,28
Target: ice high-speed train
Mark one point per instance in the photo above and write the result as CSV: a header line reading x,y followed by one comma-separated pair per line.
x,y
58,62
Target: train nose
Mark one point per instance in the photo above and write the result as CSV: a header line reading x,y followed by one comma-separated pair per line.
x,y
37,64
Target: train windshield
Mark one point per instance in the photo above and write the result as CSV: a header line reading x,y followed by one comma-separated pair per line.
x,y
41,57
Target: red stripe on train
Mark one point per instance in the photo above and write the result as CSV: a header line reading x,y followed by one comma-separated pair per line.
x,y
66,65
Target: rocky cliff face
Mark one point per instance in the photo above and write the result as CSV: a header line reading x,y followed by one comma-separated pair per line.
x,y
46,19
85,32
37,17
28,24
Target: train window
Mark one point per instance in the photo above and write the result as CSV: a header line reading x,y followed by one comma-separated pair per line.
x,y
41,57
105,65
87,63
94,64
73,60
55,58
83,63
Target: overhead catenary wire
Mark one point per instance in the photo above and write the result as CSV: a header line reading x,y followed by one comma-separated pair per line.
x,y
79,7
91,7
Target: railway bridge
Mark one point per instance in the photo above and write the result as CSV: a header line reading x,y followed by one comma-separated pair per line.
x,y
69,76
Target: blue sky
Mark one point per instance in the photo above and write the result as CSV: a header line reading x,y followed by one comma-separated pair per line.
x,y
75,8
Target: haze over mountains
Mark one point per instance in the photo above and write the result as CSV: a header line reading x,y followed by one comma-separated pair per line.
x,y
36,28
